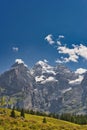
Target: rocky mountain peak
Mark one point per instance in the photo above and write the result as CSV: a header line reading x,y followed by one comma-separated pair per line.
x,y
19,62
42,67
62,68
43,64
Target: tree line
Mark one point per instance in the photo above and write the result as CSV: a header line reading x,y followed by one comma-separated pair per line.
x,y
22,114
77,119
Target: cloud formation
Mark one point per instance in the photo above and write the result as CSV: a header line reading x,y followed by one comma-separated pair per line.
x,y
49,39
59,43
59,61
60,36
46,61
70,54
16,49
73,53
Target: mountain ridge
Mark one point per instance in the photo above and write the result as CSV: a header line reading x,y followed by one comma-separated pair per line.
x,y
44,88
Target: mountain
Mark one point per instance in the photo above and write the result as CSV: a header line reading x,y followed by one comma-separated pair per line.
x,y
84,93
44,88
58,86
16,83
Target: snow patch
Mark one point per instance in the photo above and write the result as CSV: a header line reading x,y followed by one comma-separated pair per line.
x,y
20,61
49,79
39,78
32,71
66,90
77,81
46,68
49,71
80,71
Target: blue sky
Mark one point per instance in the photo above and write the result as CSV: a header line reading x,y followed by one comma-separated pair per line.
x,y
25,25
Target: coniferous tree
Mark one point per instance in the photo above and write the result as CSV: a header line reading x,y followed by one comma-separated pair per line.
x,y
32,112
13,113
22,113
44,120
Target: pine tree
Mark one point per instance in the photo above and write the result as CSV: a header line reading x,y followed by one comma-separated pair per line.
x,y
44,120
12,113
22,113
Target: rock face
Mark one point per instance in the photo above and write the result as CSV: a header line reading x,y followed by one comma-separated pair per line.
x,y
43,88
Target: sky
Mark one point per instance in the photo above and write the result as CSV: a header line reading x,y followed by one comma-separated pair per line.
x,y
48,30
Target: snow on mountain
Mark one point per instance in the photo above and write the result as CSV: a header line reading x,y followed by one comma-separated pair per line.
x,y
80,71
77,81
46,68
66,90
20,61
49,71
49,79
40,78
42,63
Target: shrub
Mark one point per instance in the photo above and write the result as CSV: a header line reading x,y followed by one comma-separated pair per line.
x,y
44,120
22,113
12,113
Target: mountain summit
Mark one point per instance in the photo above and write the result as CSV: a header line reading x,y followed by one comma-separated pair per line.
x,y
19,62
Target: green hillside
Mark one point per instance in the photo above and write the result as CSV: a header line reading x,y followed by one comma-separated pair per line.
x,y
32,122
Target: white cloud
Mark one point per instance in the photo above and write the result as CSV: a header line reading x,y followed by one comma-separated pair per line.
x,y
65,50
59,43
70,54
82,51
60,36
46,61
73,53
15,49
49,39
59,61
80,71
73,58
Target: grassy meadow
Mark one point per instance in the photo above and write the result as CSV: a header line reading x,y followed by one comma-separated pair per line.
x,y
33,122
